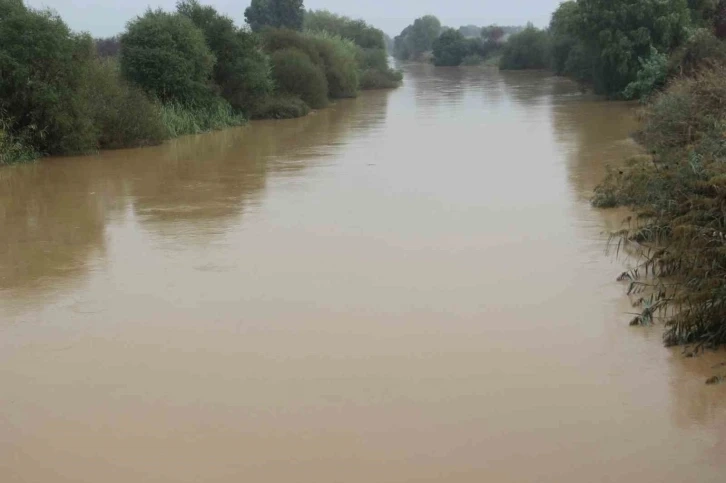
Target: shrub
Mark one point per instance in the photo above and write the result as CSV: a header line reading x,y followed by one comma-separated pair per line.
x,y
472,59
341,67
280,107
295,74
703,49
13,148
124,115
380,79
651,76
43,81
167,56
279,39
242,70
526,50
180,119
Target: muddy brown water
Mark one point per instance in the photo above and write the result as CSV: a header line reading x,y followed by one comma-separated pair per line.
x,y
409,286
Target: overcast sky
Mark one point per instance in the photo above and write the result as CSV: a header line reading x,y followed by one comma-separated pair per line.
x,y
108,17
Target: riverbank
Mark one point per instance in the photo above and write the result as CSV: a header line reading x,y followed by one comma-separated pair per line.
x,y
170,74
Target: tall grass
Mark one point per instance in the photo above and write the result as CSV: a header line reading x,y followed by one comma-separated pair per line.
x,y
180,120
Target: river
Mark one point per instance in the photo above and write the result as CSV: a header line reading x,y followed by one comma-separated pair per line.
x,y
408,286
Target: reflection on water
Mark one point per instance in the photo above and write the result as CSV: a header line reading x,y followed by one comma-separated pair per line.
x,y
410,286
53,215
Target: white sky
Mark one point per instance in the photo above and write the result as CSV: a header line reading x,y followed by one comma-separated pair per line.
x,y
108,17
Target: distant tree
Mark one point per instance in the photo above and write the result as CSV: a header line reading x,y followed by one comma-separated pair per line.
x,y
417,38
275,13
242,70
493,33
470,31
108,46
167,56
450,48
526,50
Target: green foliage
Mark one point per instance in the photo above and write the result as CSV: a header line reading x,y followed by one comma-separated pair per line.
x,y
526,50
123,114
650,78
297,75
181,119
14,148
417,39
450,48
43,81
380,79
618,33
281,107
242,70
678,196
287,14
701,50
167,56
339,57
362,34
473,59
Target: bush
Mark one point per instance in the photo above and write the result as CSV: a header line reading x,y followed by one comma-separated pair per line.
x,y
380,79
124,115
43,81
180,119
167,56
295,74
472,59
280,107
651,76
13,148
341,68
280,39
242,70
702,50
526,50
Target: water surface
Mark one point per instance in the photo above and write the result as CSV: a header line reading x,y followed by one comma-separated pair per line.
x,y
409,286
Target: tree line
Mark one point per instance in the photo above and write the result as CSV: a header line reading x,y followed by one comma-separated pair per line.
x,y
427,40
172,73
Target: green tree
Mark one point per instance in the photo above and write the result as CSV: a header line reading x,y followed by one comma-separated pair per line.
x,y
417,38
364,35
43,81
167,56
618,33
529,49
242,70
275,13
450,48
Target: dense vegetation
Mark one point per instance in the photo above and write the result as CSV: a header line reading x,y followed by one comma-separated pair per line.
x,y
426,39
173,73
678,190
